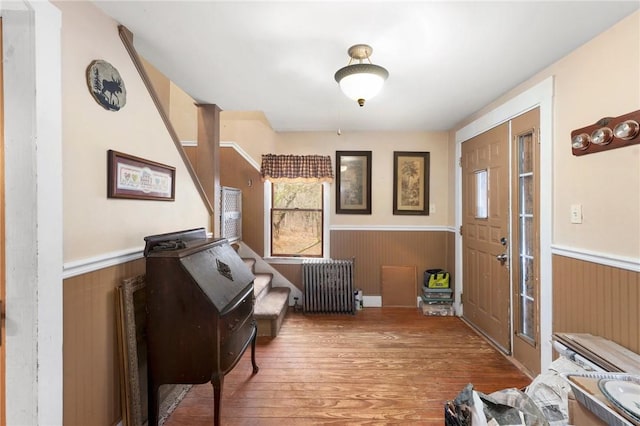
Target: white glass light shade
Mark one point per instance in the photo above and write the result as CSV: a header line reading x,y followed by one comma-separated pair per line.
x,y
361,82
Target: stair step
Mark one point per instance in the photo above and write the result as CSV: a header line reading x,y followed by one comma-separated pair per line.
x,y
250,263
271,304
261,285
270,311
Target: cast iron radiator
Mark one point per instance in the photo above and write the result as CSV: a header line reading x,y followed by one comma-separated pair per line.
x,y
328,286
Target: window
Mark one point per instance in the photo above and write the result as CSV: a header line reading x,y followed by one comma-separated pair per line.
x,y
297,210
296,189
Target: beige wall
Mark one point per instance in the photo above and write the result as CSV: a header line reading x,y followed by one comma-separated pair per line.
x,y
160,82
250,130
94,224
382,145
606,184
183,114
599,79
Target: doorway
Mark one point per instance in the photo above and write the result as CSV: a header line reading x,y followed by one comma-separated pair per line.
x,y
500,236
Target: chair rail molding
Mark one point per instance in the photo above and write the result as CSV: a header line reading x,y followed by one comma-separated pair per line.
x,y
425,228
95,263
616,261
242,152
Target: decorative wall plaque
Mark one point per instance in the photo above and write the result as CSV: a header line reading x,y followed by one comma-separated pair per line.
x,y
106,85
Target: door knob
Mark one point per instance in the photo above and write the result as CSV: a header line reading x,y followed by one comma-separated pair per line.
x,y
502,258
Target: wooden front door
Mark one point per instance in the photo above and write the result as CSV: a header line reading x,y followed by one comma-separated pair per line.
x,y
501,236
485,232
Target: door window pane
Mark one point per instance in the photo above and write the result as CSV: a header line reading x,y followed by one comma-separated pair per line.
x,y
525,156
527,277
526,193
528,318
526,235
482,200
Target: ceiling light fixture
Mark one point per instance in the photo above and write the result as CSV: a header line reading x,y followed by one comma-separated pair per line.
x,y
361,81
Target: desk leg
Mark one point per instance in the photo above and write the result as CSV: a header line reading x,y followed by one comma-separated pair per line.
x,y
253,348
217,381
153,406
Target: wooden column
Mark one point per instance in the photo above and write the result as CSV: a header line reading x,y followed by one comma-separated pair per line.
x,y
206,158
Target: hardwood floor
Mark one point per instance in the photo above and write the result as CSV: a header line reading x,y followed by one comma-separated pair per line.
x,y
382,366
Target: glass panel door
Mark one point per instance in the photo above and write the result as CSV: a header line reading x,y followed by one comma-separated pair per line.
x,y
526,278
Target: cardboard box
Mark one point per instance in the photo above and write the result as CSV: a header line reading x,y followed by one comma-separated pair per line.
x,y
580,415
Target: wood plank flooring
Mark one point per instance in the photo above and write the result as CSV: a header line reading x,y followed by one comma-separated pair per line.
x,y
382,366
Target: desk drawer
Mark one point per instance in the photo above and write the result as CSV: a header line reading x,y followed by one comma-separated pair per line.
x,y
232,321
235,344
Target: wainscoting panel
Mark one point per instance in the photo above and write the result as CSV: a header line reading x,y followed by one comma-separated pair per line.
x,y
91,389
597,299
372,249
399,286
291,271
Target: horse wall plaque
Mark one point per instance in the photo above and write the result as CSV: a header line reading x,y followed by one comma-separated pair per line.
x,y
106,85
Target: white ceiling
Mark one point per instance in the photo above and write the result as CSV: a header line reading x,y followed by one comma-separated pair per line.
x,y
446,59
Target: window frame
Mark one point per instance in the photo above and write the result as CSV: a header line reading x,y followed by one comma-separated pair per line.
x,y
326,200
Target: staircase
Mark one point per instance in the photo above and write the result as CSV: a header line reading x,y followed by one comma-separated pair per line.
x,y
271,303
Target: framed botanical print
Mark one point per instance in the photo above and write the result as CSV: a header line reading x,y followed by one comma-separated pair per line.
x,y
353,177
410,183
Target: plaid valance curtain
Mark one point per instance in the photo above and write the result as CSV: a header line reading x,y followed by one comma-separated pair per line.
x,y
296,168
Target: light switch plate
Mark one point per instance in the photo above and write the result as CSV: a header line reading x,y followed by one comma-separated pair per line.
x,y
432,208
576,213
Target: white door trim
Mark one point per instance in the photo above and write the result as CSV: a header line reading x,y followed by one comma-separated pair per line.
x,y
539,95
33,215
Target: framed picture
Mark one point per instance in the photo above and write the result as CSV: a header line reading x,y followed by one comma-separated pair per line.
x,y
131,302
353,176
134,177
410,183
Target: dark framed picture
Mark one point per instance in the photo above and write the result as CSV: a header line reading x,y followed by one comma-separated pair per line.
x,y
410,183
353,177
137,178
